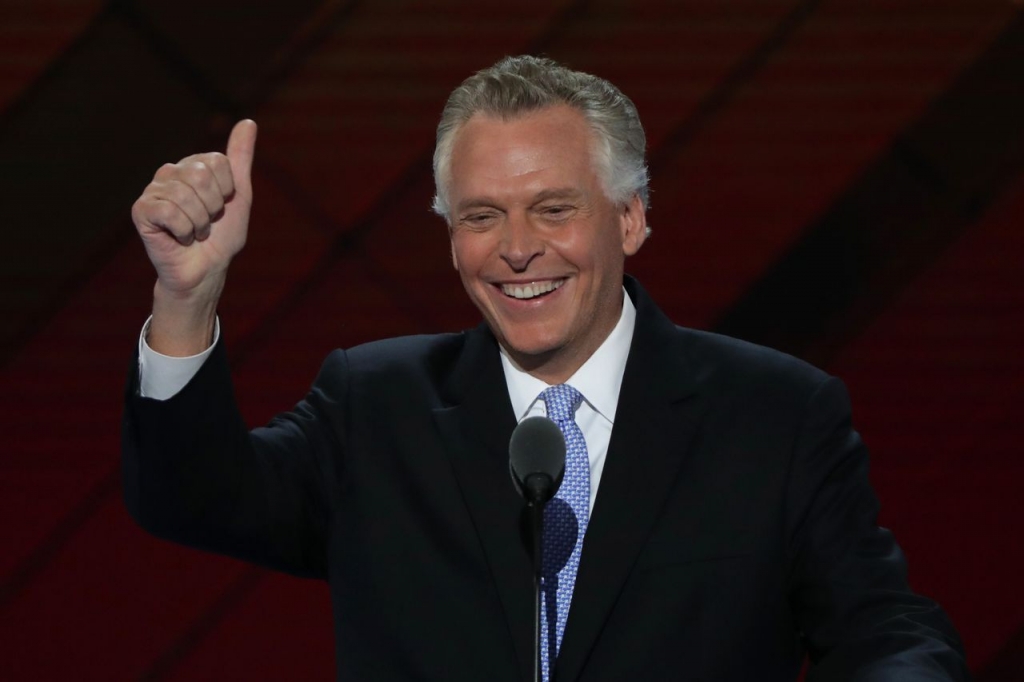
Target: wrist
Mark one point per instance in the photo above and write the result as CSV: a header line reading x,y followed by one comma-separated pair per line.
x,y
182,324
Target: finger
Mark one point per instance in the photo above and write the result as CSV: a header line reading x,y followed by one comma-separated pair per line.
x,y
209,174
166,172
221,168
185,198
159,215
202,180
240,152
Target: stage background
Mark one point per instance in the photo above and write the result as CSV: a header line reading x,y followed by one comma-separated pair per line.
x,y
838,179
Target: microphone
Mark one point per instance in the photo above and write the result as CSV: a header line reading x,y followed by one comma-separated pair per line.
x,y
536,460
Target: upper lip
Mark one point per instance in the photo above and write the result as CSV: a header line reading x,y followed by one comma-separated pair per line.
x,y
524,282
531,289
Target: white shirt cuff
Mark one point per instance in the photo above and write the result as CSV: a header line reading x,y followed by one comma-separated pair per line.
x,y
162,376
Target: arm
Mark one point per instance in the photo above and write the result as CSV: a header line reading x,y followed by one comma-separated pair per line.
x,y
848,584
192,472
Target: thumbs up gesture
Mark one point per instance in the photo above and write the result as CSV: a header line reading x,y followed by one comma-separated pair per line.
x,y
193,219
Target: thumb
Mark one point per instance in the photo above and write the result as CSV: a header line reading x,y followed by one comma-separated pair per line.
x,y
240,152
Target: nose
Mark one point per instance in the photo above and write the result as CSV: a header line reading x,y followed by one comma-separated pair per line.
x,y
521,242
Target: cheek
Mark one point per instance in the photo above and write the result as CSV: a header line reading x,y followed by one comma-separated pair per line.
x,y
462,253
470,253
593,258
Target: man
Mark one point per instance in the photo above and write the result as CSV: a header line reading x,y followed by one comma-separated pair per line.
x,y
721,523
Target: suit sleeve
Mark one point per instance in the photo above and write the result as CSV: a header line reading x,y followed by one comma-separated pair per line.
x,y
193,472
858,616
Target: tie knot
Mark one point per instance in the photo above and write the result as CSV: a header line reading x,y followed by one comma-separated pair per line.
x,y
561,402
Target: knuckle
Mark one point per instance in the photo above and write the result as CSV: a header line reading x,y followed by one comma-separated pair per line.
x,y
197,175
146,210
184,195
166,171
165,213
172,190
138,211
156,189
215,160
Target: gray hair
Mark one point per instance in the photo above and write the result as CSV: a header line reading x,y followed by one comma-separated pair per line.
x,y
518,85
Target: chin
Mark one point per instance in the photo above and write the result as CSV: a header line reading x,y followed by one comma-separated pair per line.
x,y
531,350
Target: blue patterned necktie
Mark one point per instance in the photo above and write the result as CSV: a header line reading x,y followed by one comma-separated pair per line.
x,y
565,521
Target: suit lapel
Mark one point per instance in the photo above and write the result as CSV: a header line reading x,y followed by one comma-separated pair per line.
x,y
476,427
654,423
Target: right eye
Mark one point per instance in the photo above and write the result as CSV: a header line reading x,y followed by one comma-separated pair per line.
x,y
477,220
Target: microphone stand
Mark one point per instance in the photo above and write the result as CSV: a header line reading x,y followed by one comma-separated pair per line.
x,y
535,510
538,488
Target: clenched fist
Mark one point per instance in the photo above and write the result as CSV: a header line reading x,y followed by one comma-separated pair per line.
x,y
193,219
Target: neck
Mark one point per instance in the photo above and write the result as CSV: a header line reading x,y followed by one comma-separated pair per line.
x,y
557,365
546,367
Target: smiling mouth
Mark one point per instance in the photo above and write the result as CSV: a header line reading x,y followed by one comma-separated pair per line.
x,y
531,290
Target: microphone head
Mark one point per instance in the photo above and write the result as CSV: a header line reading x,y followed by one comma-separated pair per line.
x,y
537,458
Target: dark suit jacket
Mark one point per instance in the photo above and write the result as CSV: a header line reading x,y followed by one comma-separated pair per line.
x,y
734,527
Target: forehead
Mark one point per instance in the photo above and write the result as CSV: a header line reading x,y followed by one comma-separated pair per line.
x,y
527,153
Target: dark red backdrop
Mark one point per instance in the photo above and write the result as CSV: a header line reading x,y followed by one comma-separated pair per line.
x,y
839,179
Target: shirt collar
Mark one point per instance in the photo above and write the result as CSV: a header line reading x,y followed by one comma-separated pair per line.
x,y
598,380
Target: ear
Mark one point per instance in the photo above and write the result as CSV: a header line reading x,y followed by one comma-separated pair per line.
x,y
633,223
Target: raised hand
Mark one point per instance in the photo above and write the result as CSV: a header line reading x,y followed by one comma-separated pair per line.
x,y
193,219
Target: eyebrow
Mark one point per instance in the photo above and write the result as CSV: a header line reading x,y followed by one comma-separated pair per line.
x,y
558,193
475,202
544,195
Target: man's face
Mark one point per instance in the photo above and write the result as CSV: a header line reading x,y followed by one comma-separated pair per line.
x,y
538,244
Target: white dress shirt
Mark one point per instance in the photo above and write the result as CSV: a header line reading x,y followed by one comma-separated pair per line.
x,y
598,381
162,376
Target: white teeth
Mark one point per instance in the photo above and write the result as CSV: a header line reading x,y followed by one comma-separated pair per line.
x,y
531,290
